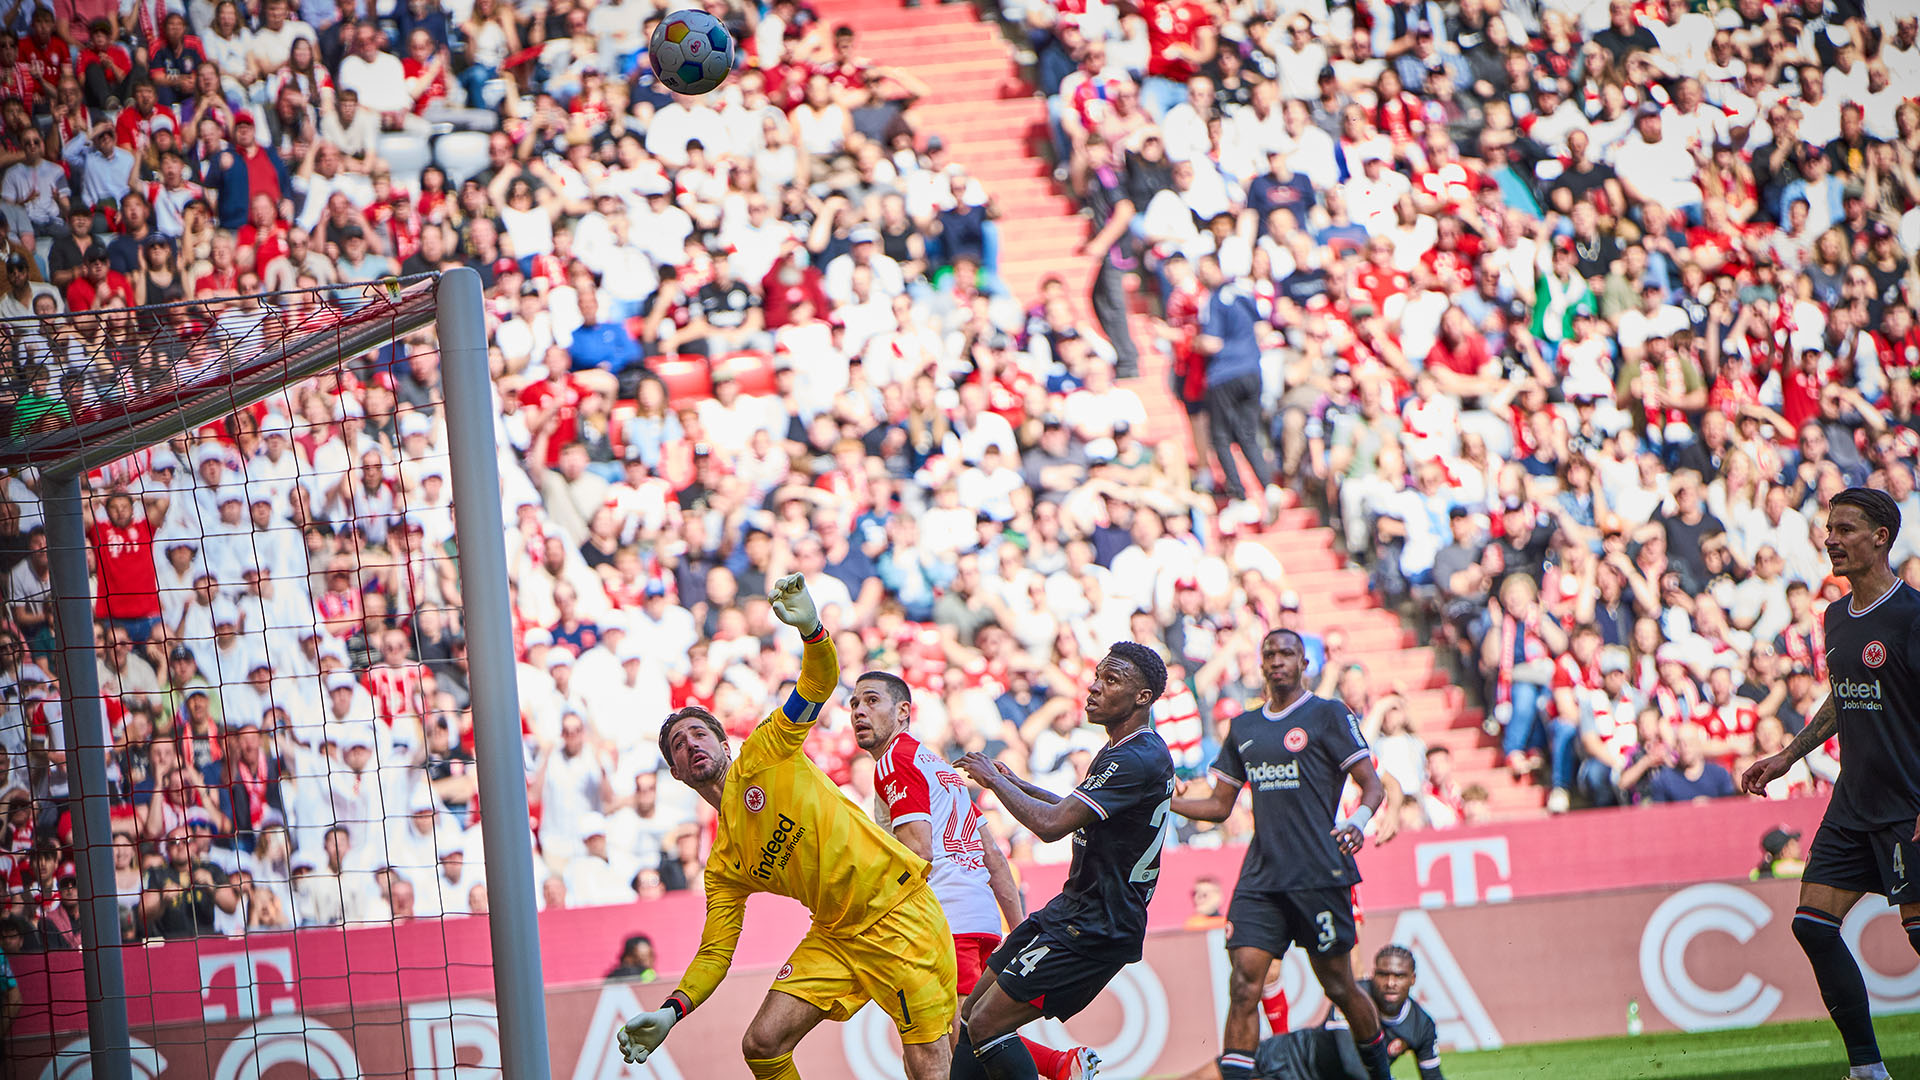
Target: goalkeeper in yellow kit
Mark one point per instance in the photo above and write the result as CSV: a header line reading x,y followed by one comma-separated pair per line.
x,y
878,931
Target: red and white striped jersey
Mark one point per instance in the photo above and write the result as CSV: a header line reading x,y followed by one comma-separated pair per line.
x,y
914,784
397,691
1176,716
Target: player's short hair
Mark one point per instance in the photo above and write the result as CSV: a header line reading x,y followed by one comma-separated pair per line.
x,y
897,689
1875,505
1401,951
689,712
1153,670
1295,634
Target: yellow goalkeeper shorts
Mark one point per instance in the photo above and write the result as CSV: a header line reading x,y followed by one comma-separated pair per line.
x,y
904,962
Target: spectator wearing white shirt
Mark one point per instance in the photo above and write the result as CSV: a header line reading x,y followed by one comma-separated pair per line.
x,y
1099,407
593,876
572,782
1184,128
1300,58
1659,167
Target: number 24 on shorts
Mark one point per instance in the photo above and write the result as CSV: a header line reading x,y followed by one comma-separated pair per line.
x,y
1030,959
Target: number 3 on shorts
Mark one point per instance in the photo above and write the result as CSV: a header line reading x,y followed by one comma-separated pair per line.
x,y
1030,959
1327,933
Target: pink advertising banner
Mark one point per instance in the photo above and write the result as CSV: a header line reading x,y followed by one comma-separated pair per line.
x,y
1695,957
1471,902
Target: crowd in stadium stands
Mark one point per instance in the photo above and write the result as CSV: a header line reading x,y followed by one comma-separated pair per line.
x,y
1571,315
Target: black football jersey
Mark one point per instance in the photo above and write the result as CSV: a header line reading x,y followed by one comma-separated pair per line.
x,y
1102,909
1328,1053
1296,761
1873,661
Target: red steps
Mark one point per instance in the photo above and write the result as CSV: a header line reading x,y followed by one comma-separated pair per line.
x,y
994,126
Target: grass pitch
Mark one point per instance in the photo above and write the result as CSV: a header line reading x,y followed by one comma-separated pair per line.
x,y
1800,1051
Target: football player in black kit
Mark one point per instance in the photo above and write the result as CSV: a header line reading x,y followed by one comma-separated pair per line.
x,y
1869,841
1057,961
1296,884
1328,1053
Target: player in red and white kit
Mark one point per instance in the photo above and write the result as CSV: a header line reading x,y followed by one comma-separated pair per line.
x,y
924,801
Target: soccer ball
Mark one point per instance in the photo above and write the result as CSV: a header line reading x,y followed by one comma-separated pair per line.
x,y
691,52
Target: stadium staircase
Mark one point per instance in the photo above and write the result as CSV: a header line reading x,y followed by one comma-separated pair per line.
x,y
995,126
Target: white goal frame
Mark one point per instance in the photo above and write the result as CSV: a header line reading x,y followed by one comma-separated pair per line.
x,y
453,303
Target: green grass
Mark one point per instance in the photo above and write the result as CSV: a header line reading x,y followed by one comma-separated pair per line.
x,y
1801,1051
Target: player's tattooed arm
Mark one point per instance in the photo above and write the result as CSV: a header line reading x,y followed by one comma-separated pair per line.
x,y
1768,769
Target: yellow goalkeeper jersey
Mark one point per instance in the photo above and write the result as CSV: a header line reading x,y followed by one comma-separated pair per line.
x,y
785,828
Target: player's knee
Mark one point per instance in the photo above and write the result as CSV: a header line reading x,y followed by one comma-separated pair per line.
x,y
1817,930
760,1044
1245,984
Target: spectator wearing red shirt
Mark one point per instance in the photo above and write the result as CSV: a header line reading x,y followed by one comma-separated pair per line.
x,y
1460,360
1378,280
135,124
98,284
48,55
553,404
425,68
129,589
106,68
1181,40
847,72
16,75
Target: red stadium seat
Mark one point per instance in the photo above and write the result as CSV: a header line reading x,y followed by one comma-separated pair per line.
x,y
686,377
752,370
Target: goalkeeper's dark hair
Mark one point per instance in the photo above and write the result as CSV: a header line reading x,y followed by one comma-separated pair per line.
x,y
1401,951
689,712
1153,670
897,689
1875,505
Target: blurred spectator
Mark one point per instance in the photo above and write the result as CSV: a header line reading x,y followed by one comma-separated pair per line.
x,y
1780,855
636,960
1690,777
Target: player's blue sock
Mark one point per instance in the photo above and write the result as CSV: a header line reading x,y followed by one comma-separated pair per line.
x,y
1841,986
1912,927
1236,1065
1006,1058
1373,1054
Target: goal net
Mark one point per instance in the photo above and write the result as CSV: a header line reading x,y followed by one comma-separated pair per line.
x,y
238,689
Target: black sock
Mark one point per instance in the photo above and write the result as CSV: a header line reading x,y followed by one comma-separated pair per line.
x,y
1236,1065
1006,1058
1912,927
965,1067
1841,986
1373,1054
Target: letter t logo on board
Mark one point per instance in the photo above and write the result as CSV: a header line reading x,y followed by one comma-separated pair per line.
x,y
1463,858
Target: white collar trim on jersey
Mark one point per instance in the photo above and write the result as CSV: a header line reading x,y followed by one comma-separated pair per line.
x,y
1898,584
1130,738
1304,697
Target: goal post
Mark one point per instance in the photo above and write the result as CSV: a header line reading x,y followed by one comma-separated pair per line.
x,y
518,986
186,368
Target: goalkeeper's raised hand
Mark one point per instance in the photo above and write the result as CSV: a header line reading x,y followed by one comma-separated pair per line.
x,y
793,605
643,1034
